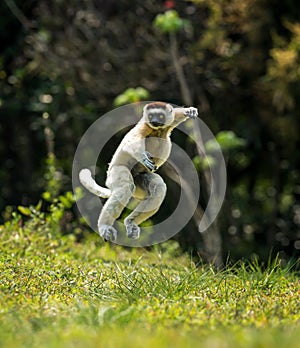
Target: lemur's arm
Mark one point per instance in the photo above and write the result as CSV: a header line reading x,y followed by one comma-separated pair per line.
x,y
182,114
134,145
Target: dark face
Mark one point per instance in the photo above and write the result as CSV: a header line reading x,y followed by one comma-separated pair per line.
x,y
156,119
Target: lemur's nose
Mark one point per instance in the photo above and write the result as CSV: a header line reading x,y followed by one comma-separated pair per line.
x,y
156,123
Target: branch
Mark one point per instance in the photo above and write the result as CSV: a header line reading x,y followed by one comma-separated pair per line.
x,y
185,91
18,14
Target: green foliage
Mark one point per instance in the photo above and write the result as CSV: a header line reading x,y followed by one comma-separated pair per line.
x,y
31,210
131,95
169,22
203,163
51,217
227,140
283,69
52,178
56,292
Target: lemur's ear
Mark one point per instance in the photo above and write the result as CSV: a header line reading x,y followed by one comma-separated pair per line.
x,y
169,107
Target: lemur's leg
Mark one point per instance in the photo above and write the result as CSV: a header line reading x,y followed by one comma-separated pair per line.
x,y
122,187
155,189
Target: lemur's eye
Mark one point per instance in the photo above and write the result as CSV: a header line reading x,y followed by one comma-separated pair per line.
x,y
161,116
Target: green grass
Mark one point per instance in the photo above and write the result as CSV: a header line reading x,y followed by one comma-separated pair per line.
x,y
55,292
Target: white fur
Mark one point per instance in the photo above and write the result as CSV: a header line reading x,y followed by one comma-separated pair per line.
x,y
156,110
85,177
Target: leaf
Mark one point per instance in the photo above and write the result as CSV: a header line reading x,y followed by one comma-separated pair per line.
x,y
120,100
203,163
227,140
38,206
78,194
47,196
169,21
131,95
65,201
25,210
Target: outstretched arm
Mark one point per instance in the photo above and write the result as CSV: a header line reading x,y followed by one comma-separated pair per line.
x,y
182,114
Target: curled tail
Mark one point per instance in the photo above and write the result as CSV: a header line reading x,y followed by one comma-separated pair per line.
x,y
85,177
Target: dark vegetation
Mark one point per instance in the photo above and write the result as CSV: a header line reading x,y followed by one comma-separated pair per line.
x,y
64,63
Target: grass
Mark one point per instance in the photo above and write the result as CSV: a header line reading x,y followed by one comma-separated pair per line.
x,y
56,292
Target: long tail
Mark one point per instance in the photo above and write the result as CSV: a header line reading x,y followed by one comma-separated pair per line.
x,y
85,177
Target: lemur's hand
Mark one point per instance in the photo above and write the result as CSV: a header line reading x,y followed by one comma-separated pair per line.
x,y
191,112
147,161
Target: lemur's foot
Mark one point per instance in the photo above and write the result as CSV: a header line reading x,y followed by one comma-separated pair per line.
x,y
108,233
191,112
133,230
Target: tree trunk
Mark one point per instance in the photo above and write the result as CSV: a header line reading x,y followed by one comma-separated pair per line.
x,y
212,251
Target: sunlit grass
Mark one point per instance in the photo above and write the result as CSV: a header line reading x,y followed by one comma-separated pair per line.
x,y
56,292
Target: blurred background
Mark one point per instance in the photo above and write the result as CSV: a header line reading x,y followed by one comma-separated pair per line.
x,y
63,64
